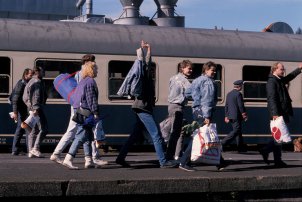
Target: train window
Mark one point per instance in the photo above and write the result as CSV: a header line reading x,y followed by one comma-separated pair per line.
x,y
52,69
197,69
255,78
118,71
5,76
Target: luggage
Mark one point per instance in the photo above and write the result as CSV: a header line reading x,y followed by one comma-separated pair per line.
x,y
66,84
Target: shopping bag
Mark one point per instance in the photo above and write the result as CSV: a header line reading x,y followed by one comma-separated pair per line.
x,y
66,84
30,121
279,130
206,147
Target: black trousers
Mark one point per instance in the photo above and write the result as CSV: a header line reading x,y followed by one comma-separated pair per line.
x,y
235,133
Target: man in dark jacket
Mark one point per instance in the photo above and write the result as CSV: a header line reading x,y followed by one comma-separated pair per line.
x,y
19,110
235,113
279,104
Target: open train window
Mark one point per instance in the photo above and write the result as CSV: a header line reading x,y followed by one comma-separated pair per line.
x,y
52,69
5,76
255,79
197,69
118,71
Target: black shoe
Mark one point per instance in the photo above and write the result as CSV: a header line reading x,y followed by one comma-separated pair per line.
x,y
15,153
170,164
264,156
280,164
223,164
123,163
187,168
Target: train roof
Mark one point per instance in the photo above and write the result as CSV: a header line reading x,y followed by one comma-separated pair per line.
x,y
77,37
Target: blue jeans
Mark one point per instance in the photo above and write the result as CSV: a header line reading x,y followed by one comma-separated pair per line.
x,y
19,133
148,121
83,136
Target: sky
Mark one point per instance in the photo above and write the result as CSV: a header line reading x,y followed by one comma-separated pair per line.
x,y
244,15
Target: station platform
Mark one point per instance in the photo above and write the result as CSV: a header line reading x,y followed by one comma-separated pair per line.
x,y
247,178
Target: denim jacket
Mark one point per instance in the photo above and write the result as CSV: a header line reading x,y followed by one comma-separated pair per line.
x,y
132,84
203,90
178,85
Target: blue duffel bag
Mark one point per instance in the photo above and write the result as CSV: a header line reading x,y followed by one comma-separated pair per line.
x,y
66,84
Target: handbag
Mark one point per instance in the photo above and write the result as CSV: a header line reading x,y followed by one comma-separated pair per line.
x,y
279,130
65,84
84,117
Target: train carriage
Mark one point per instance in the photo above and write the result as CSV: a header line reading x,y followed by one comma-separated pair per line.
x,y
59,46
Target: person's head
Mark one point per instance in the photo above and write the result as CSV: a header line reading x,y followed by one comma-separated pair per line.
x,y
88,58
38,71
185,67
278,69
90,69
238,84
209,69
27,74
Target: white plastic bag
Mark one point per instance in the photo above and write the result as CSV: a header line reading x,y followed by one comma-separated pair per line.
x,y
280,131
30,122
206,147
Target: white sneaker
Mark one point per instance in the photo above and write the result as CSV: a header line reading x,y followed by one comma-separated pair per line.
x,y
99,162
36,153
30,155
56,158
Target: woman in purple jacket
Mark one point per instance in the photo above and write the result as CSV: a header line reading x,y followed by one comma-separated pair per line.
x,y
86,108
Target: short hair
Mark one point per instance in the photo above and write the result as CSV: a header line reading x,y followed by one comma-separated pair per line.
x,y
87,58
208,66
275,66
183,65
26,71
88,69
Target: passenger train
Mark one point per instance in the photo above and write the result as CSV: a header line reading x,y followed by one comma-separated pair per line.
x,y
58,47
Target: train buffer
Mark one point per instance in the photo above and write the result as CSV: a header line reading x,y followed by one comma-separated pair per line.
x,y
246,178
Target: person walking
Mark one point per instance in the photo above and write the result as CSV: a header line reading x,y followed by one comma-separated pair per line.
x,y
34,97
177,101
87,113
278,104
70,133
19,110
235,113
139,83
203,90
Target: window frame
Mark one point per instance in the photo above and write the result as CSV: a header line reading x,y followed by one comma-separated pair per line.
x,y
49,78
5,95
259,81
116,98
